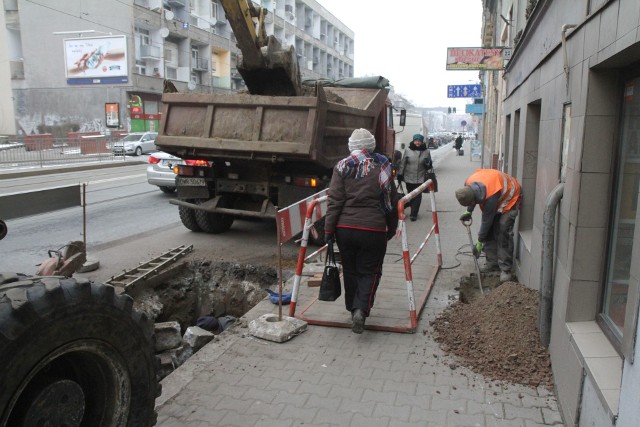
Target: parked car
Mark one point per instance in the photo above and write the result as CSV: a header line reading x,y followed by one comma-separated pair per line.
x,y
160,171
136,143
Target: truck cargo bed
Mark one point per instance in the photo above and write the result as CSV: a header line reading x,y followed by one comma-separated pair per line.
x,y
270,128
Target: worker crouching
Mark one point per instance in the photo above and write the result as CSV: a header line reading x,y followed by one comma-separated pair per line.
x,y
499,197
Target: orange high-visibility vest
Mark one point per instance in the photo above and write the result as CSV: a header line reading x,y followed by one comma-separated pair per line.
x,y
498,182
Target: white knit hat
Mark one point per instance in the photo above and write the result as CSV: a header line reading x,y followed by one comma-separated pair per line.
x,y
361,139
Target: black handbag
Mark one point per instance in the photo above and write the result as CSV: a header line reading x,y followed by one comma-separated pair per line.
x,y
330,286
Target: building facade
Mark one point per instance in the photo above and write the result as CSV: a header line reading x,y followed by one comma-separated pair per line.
x,y
564,118
95,66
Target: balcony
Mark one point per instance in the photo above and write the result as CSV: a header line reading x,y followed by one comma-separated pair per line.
x,y
150,52
221,82
177,3
200,64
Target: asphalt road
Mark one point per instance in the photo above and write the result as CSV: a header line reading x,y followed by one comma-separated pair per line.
x,y
130,222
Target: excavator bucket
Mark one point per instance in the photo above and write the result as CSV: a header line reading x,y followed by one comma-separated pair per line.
x,y
267,68
279,75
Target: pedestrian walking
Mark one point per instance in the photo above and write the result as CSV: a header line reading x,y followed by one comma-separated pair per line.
x,y
416,162
361,216
499,197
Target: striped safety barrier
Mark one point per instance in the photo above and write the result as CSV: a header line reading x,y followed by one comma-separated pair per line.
x,y
291,220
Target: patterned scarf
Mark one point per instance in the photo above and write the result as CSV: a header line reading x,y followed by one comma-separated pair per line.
x,y
360,163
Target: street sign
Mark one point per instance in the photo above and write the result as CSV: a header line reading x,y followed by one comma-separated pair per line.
x,y
464,91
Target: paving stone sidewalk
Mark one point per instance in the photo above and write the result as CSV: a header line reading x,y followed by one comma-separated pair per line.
x,y
328,376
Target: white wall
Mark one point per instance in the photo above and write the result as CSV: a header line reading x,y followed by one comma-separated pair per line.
x,y
629,414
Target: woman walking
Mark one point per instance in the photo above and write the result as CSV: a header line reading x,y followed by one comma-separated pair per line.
x,y
361,216
415,163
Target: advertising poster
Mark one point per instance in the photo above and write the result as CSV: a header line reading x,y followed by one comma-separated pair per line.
x,y
476,150
95,57
112,114
477,58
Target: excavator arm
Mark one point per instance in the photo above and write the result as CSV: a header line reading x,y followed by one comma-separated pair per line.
x,y
267,68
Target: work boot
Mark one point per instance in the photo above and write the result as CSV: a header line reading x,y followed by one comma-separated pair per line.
x,y
358,321
505,276
489,267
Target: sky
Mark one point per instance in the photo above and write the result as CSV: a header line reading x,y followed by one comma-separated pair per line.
x,y
406,41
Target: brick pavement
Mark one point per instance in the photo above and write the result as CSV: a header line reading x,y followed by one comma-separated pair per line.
x,y
329,376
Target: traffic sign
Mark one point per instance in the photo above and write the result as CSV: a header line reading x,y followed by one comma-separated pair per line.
x,y
464,91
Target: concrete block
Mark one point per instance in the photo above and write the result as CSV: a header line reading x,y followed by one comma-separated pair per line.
x,y
196,337
268,327
167,335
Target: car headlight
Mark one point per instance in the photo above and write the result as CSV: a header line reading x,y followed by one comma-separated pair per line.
x,y
128,146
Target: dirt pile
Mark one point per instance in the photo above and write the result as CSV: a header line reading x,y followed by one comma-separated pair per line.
x,y
497,336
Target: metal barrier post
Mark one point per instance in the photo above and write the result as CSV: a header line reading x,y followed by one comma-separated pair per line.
x,y
308,223
406,256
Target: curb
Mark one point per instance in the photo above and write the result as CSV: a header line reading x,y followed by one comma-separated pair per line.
x,y
62,169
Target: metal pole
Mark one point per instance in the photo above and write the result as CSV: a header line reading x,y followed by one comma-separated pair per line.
x,y
468,225
84,215
279,271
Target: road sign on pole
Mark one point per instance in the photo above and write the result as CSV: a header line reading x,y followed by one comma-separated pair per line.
x,y
464,91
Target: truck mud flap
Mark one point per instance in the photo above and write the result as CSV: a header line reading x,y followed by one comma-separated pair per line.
x,y
267,210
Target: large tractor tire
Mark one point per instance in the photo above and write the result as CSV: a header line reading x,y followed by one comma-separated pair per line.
x,y
73,353
215,223
188,218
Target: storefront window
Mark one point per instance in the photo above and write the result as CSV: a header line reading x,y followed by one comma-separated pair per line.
x,y
624,214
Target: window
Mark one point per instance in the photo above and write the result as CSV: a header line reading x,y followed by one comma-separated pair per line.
x,y
141,67
143,36
625,198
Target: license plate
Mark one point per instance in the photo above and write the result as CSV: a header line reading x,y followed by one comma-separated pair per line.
x,y
192,182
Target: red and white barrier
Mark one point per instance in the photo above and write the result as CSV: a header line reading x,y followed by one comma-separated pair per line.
x,y
310,204
407,258
291,220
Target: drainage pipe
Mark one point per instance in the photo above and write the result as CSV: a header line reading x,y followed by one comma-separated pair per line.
x,y
546,273
565,28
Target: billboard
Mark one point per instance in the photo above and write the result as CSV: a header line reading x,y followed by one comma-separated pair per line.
x,y
95,58
477,58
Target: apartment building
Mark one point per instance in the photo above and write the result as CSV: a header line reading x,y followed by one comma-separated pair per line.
x,y
564,118
100,65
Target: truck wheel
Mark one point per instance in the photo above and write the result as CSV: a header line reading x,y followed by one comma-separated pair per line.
x,y
73,353
215,223
188,218
3,229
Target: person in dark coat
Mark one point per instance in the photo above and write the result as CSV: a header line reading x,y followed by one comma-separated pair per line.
x,y
361,216
416,162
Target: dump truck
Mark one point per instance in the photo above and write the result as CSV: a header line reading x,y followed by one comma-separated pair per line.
x,y
248,154
257,153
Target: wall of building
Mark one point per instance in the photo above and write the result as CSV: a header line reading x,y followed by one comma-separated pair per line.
x,y
45,99
538,89
7,119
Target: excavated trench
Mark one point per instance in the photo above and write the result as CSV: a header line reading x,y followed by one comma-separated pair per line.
x,y
199,288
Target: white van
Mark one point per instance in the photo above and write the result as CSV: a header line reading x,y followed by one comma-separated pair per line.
x,y
404,135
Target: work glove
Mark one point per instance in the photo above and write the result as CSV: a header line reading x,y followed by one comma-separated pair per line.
x,y
466,216
477,249
329,238
400,178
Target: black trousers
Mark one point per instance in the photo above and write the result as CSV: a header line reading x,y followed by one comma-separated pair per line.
x,y
416,201
362,253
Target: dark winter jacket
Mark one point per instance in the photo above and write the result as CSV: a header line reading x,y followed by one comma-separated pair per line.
x,y
356,203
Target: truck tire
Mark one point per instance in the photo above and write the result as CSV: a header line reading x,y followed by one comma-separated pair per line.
x,y
73,353
3,229
188,218
215,223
